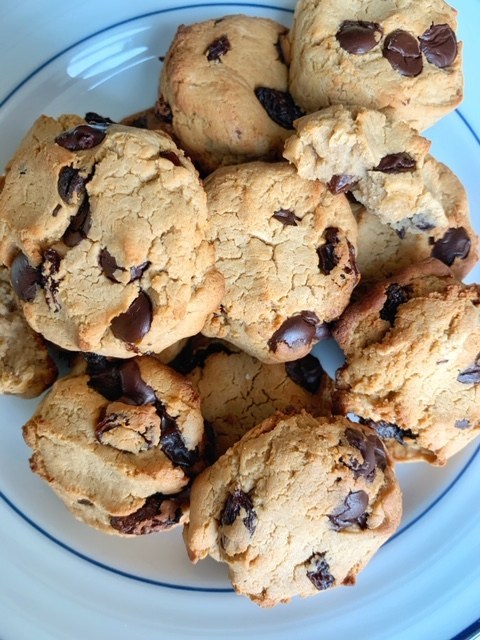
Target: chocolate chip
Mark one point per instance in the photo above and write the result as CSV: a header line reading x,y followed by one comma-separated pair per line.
x,y
307,372
196,352
217,49
24,278
439,45
327,258
158,513
56,210
137,272
396,163
162,111
117,380
390,431
234,504
79,225
455,243
342,183
402,51
94,118
287,217
462,424
172,442
352,511
84,502
132,325
373,453
298,330
49,270
279,105
80,138
359,37
70,184
169,155
396,295
472,374
318,572
129,428
352,268
108,264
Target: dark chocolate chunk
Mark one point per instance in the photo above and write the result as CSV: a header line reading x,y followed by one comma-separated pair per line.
x,y
359,37
307,372
439,45
108,264
279,105
94,118
162,111
172,442
79,225
298,330
402,51
396,295
318,572
82,137
195,353
84,502
472,374
24,278
287,217
390,431
49,270
70,184
462,424
455,243
119,380
327,258
373,453
56,210
342,183
234,504
158,513
396,163
137,272
132,325
217,49
352,511
169,155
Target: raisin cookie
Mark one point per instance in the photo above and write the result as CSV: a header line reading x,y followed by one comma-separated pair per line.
x,y
120,444
381,161
286,248
400,56
412,348
224,87
96,225
297,506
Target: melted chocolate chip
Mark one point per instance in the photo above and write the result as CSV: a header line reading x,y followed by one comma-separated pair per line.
x,y
70,184
318,572
172,442
396,295
132,325
279,105
287,217
80,138
439,45
49,270
396,163
472,374
307,372
79,225
172,157
108,264
352,511
455,243
24,278
158,513
94,118
327,258
234,504
162,111
298,330
373,453
359,37
137,272
342,183
462,424
402,51
390,431
195,353
217,49
119,380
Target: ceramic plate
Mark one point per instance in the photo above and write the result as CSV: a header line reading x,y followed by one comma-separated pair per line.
x,y
62,580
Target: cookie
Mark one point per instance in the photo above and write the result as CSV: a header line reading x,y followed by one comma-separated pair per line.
x,y
120,444
398,56
381,161
412,347
223,88
104,228
286,248
382,252
152,119
297,506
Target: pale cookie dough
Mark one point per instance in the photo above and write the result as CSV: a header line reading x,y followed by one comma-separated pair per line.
x,y
412,348
400,56
286,247
119,444
223,88
298,505
104,227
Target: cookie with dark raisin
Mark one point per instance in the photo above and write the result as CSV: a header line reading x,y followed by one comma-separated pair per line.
x,y
297,506
103,228
120,444
412,346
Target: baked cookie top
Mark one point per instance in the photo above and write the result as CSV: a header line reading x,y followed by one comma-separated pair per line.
x,y
297,506
286,248
104,227
412,346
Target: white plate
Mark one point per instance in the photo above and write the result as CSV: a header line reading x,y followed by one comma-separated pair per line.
x,y
62,580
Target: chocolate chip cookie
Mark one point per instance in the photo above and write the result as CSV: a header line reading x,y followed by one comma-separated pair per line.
x,y
286,248
120,444
297,506
400,56
412,350
103,227
224,89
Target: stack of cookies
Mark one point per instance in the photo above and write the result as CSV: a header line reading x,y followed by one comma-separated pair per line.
x,y
279,192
